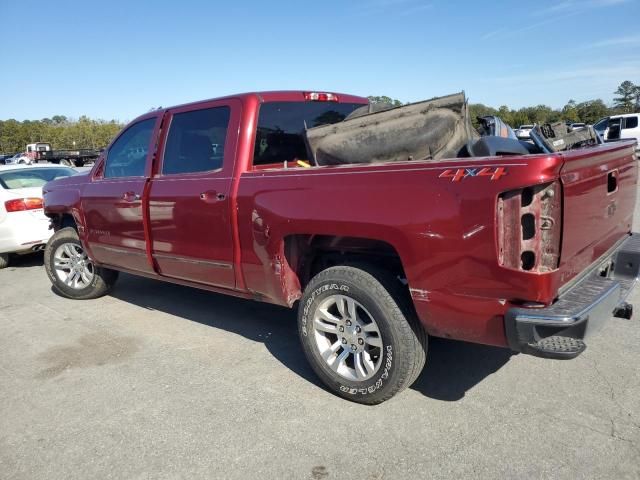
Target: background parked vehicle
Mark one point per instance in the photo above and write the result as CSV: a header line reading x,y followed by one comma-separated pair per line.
x,y
619,127
42,152
23,226
602,126
4,157
522,132
18,159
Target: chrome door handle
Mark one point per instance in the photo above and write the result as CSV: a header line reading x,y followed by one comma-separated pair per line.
x,y
211,196
130,196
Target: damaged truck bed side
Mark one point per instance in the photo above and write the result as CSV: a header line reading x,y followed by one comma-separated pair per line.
x,y
383,226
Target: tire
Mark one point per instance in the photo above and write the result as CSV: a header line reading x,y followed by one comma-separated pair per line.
x,y
4,260
390,359
71,272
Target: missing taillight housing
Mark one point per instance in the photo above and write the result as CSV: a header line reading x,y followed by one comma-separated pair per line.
x,y
22,204
529,228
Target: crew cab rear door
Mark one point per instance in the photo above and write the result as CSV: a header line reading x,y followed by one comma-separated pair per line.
x,y
189,197
112,200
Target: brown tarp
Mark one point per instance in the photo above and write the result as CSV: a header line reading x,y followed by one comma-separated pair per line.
x,y
430,130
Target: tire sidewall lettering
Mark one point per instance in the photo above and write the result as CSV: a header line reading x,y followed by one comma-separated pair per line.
x,y
379,380
321,289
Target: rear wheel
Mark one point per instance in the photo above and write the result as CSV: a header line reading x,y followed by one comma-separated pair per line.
x,y
71,271
360,335
4,260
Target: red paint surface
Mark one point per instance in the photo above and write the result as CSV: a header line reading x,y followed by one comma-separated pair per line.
x,y
444,231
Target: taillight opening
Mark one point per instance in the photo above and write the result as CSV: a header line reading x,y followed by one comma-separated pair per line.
x,y
529,228
23,204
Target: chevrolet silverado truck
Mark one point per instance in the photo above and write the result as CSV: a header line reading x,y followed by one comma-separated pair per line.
x,y
383,226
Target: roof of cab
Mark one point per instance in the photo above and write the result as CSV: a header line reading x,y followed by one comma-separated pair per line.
x,y
262,97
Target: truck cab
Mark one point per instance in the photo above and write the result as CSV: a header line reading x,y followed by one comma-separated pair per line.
x,y
34,150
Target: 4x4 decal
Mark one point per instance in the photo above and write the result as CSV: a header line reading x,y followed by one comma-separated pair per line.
x,y
462,173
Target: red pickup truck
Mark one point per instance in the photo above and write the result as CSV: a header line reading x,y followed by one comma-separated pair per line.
x,y
250,196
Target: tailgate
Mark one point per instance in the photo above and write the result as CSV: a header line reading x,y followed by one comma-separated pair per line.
x,y
599,195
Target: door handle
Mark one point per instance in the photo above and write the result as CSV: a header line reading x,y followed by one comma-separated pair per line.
x,y
130,196
211,196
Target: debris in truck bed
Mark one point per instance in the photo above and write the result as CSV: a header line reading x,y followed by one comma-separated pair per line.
x,y
556,137
430,130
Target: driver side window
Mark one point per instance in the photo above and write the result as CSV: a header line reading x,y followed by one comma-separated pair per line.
x,y
127,156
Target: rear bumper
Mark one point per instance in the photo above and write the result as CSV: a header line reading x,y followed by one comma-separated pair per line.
x,y
559,330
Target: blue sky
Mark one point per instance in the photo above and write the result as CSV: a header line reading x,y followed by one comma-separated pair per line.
x,y
117,59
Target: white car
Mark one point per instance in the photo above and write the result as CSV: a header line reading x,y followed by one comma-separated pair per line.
x,y
24,227
523,131
619,127
18,159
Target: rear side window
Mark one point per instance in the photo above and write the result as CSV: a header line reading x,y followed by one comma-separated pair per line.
x,y
630,122
281,126
128,155
196,141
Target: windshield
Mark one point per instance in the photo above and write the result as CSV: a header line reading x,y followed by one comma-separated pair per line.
x,y
32,177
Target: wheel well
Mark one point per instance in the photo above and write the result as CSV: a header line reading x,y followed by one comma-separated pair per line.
x,y
308,255
63,220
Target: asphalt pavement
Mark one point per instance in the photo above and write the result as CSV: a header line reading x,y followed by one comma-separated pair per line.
x,y
162,381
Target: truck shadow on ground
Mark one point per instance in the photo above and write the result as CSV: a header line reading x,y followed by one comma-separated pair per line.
x,y
28,260
452,367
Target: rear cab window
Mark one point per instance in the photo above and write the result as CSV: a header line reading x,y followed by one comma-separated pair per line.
x,y
280,136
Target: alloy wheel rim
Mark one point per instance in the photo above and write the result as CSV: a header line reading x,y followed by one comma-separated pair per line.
x,y
72,266
347,338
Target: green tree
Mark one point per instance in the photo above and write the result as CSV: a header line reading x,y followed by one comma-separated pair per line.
x,y
592,110
384,99
569,112
59,131
626,96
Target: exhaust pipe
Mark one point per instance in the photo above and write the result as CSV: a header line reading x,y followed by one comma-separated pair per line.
x,y
38,248
624,310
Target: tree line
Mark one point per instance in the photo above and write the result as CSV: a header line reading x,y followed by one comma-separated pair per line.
x,y
626,100
65,133
61,132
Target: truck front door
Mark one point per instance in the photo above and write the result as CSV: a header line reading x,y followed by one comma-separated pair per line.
x,y
112,201
189,197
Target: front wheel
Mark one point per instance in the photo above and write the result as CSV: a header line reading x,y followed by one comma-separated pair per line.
x,y
360,335
71,271
4,260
